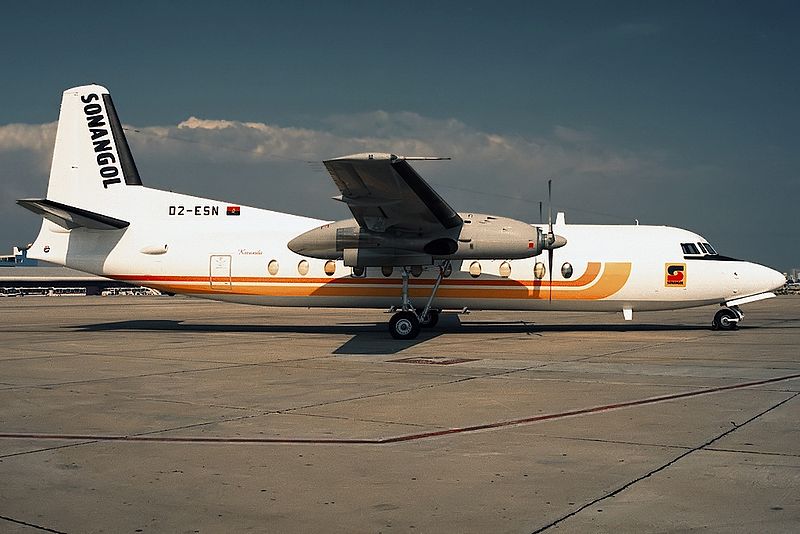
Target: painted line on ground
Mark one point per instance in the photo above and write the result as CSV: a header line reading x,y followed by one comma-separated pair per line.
x,y
402,438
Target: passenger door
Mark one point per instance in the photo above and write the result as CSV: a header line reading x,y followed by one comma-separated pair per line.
x,y
219,272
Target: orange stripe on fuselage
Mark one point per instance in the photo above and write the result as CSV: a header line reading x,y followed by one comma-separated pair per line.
x,y
613,278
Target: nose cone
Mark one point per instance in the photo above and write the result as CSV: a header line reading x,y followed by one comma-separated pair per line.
x,y
775,279
761,279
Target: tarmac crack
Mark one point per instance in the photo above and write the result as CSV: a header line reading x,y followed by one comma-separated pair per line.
x,y
31,525
703,446
495,425
764,453
45,449
128,377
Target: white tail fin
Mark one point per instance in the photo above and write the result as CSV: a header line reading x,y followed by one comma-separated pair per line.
x,y
92,163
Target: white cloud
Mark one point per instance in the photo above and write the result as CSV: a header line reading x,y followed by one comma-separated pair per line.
x,y
34,138
408,134
267,165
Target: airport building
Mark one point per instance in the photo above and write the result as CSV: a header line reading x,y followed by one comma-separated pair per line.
x,y
20,276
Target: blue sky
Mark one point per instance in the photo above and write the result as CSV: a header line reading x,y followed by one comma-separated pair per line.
x,y
681,113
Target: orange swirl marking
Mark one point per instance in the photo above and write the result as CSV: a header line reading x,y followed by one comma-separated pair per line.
x,y
591,285
614,277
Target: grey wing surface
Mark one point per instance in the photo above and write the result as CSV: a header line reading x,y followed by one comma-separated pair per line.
x,y
386,194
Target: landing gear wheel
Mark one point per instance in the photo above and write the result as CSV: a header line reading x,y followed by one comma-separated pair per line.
x,y
431,320
726,319
404,325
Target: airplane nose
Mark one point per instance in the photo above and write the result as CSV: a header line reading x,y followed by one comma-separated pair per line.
x,y
766,279
776,279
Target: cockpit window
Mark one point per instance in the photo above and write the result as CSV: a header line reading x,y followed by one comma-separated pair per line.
x,y
703,248
689,248
710,249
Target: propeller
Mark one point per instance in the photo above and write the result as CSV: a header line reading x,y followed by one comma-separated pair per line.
x,y
551,241
550,236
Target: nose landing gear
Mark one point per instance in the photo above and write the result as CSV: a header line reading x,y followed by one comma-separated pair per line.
x,y
727,318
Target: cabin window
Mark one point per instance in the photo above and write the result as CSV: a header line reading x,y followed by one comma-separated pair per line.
x,y
710,249
689,248
387,270
330,267
539,270
566,270
474,269
505,269
302,267
272,267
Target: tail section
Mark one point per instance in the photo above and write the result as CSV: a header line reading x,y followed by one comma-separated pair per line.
x,y
92,163
91,173
70,217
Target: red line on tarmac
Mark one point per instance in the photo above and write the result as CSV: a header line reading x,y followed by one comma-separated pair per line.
x,y
403,438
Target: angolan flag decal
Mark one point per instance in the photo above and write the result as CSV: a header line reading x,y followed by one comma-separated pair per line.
x,y
233,210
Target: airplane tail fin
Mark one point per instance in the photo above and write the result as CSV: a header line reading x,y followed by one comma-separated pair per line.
x,y
92,162
91,173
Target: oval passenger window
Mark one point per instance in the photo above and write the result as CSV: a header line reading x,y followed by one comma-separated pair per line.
x,y
302,267
539,270
474,269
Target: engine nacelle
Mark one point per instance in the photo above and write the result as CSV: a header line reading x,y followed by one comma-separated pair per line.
x,y
384,257
479,237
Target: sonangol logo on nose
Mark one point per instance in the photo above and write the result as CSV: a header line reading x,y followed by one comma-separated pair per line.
x,y
675,275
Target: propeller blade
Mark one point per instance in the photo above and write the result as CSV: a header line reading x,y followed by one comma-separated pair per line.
x,y
550,270
541,219
550,206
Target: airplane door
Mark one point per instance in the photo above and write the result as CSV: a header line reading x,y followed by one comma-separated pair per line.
x,y
219,273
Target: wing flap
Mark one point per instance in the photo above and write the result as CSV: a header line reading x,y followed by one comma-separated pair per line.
x,y
384,192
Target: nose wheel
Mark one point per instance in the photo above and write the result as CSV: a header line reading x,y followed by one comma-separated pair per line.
x,y
727,319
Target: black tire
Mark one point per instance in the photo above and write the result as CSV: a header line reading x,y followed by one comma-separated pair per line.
x,y
404,325
726,319
431,320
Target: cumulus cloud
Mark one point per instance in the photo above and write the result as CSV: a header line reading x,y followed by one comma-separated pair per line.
x,y
278,167
32,137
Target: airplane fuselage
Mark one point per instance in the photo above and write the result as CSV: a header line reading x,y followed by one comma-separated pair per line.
x,y
100,218
182,244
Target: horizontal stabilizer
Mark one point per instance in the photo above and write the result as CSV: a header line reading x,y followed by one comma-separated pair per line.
x,y
70,217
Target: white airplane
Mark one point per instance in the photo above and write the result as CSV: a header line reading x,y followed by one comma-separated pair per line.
x,y
406,248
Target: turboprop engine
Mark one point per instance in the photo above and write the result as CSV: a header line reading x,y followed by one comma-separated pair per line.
x,y
479,237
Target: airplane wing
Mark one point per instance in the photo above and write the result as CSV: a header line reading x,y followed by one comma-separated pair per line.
x,y
385,193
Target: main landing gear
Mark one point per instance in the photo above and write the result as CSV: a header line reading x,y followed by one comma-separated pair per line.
x,y
407,323
727,318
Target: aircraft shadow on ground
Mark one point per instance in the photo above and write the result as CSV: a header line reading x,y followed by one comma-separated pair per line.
x,y
373,338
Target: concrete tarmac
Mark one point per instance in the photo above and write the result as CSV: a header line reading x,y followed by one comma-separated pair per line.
x,y
168,414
